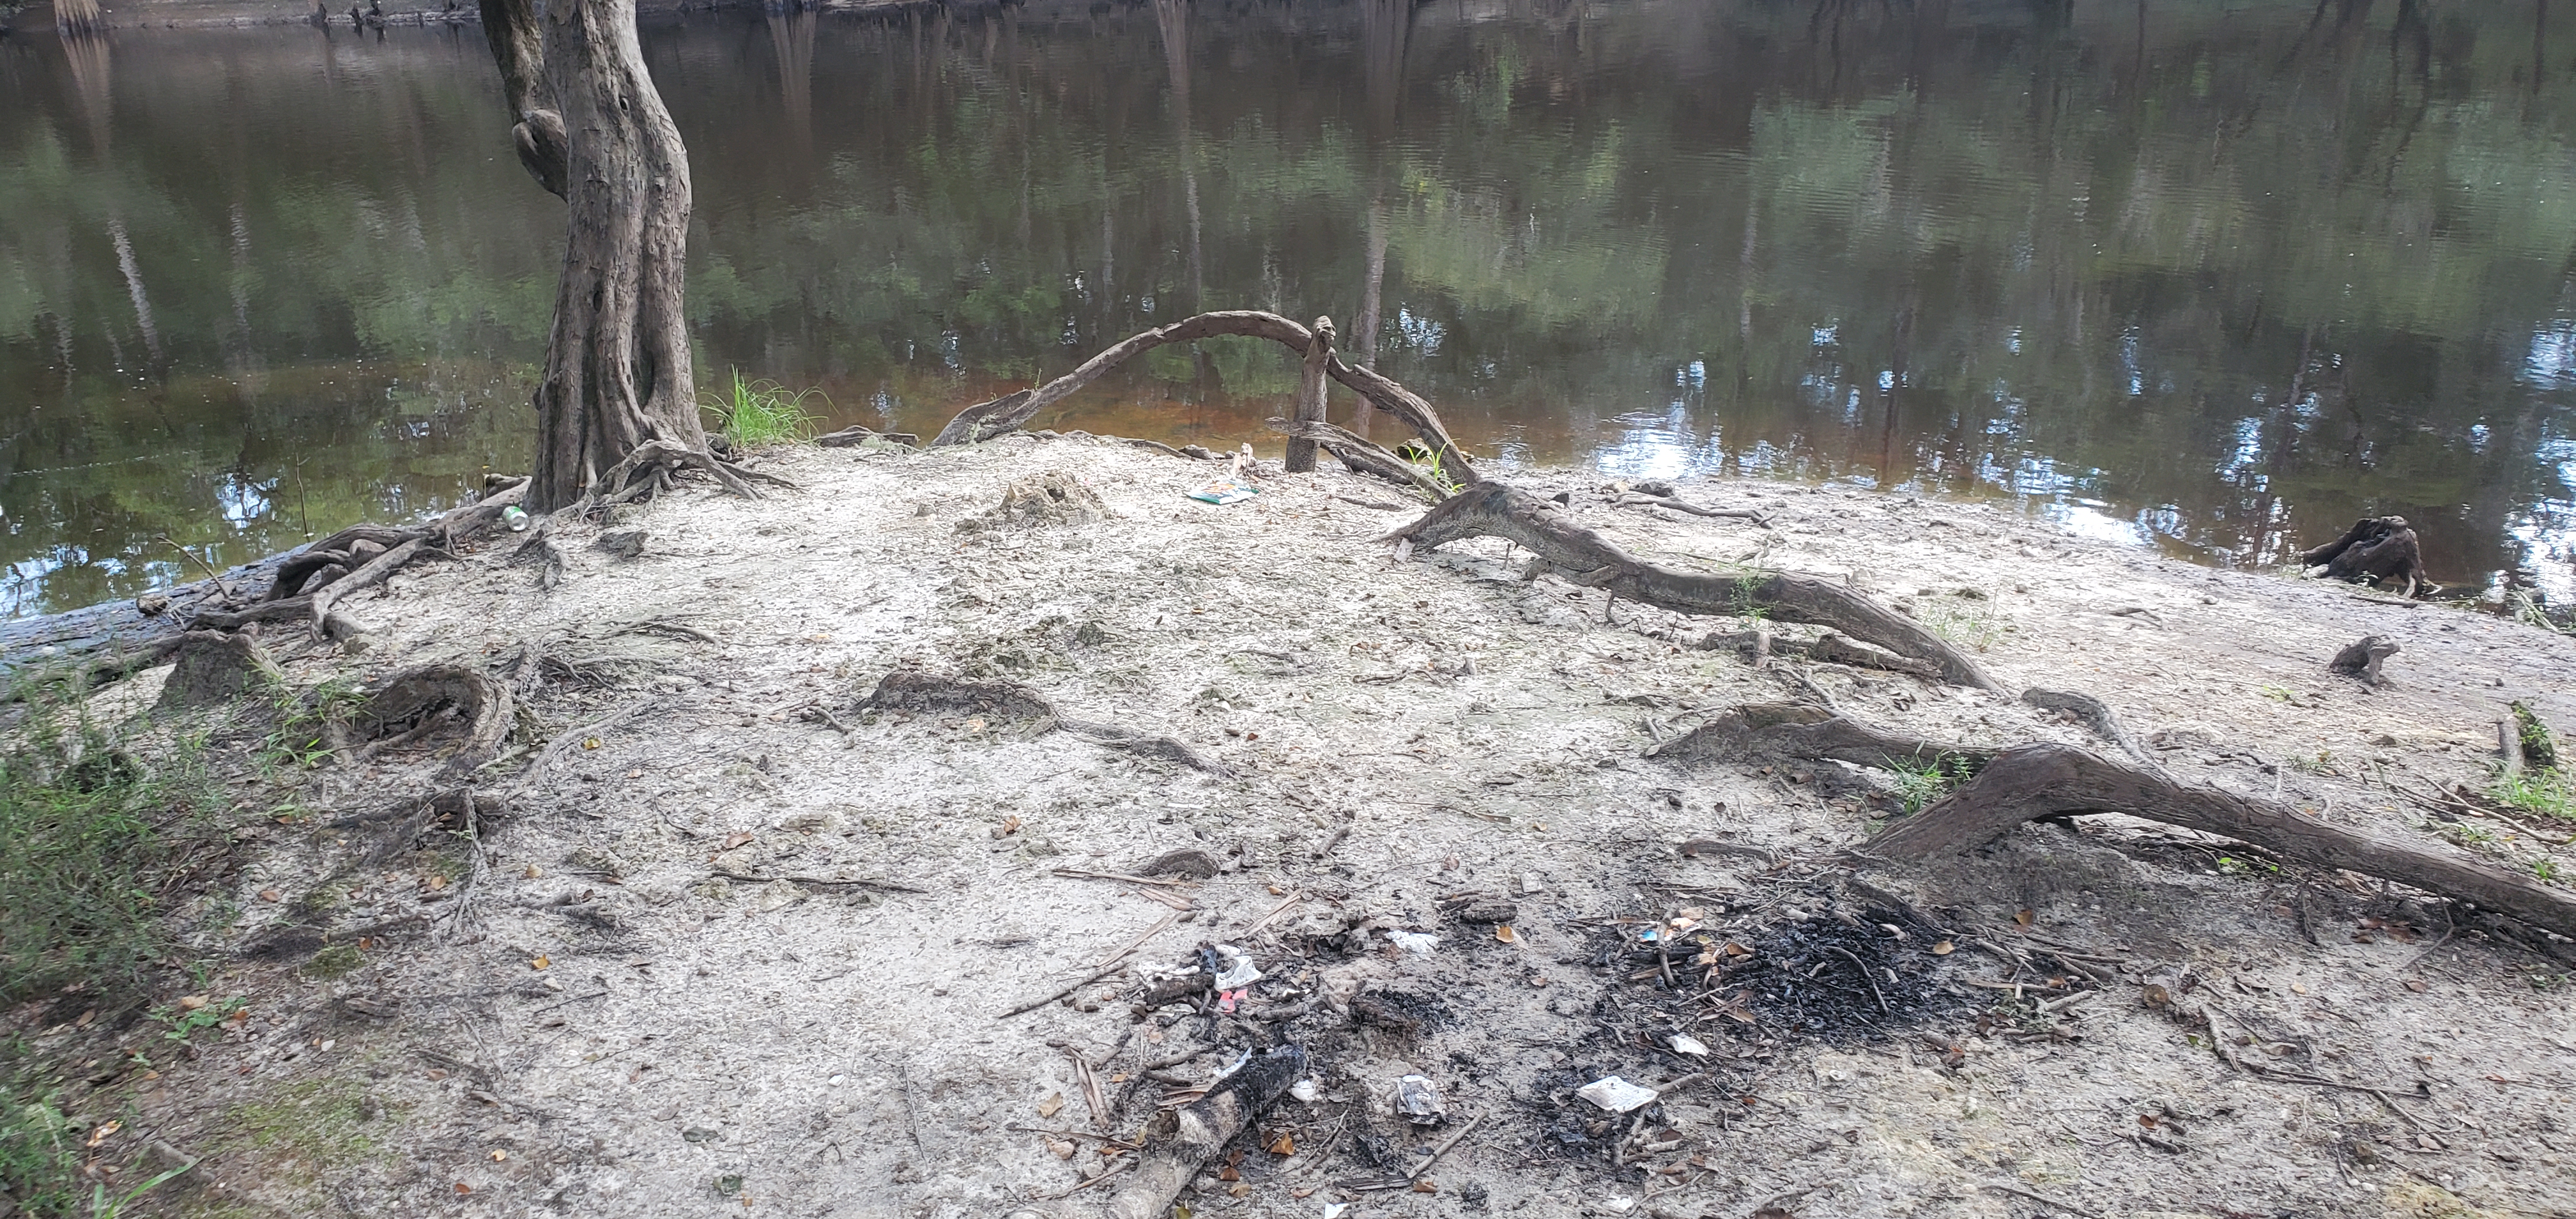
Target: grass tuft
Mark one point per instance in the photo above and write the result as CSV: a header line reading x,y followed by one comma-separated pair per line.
x,y
763,412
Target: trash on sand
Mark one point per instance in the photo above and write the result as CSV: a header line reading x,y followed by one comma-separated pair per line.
x,y
1684,1043
1223,491
1420,943
1334,1210
1226,1000
1616,1095
1239,971
1418,1099
1305,1091
516,518
1617,1205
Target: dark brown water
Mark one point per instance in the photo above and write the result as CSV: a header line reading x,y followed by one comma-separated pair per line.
x,y
2205,277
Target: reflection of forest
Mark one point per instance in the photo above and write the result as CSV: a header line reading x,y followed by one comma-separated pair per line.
x,y
2236,277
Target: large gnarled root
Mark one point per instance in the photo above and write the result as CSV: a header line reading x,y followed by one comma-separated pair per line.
x,y
1362,454
1493,509
986,420
422,703
2005,787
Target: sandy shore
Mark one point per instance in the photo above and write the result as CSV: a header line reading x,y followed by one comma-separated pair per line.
x,y
750,944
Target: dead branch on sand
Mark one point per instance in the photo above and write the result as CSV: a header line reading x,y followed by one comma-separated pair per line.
x,y
1545,528
2004,787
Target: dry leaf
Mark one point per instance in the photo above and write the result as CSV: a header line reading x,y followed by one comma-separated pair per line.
x,y
1284,1145
464,1188
499,1155
1504,932
268,895
1050,1106
101,1134
534,872
2417,985
2024,917
1426,1186
190,1003
540,963
1228,1173
735,839
591,742
1060,1149
2300,988
1944,948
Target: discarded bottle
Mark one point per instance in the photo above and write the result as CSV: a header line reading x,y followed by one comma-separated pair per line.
x,y
516,518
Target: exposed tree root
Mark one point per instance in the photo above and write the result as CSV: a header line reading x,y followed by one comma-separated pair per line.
x,y
2376,548
2094,713
1544,527
2006,787
1206,1126
216,668
421,703
1641,498
1023,713
986,420
852,437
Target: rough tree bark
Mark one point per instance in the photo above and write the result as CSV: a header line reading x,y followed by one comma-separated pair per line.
x,y
617,411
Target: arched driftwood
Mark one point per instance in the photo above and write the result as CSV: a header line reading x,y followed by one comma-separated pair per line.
x,y
986,420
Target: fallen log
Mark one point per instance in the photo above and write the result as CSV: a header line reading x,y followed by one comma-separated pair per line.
x,y
1547,529
2004,787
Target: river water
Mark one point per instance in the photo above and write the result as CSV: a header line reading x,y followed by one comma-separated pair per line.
x,y
2207,278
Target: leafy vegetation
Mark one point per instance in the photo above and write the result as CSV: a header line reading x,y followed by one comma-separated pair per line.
x,y
1919,782
762,412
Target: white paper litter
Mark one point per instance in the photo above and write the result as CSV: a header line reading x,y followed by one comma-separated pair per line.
x,y
1305,1091
1684,1043
1616,1095
1239,969
1420,943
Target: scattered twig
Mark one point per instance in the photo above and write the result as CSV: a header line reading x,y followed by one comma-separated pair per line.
x,y
2035,1196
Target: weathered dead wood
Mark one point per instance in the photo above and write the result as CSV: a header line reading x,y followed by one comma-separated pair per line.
x,y
2362,658
986,420
1310,396
1644,499
2096,715
1023,713
850,437
2026,782
1833,648
1769,731
1362,454
1206,1126
2376,548
1545,528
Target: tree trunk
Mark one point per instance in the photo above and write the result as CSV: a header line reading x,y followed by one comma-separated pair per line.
x,y
617,363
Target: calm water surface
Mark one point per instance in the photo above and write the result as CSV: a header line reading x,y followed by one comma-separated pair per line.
x,y
2210,278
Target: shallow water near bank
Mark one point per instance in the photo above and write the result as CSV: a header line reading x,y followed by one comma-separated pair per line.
x,y
2211,279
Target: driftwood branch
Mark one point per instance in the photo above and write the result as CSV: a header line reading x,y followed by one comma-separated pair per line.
x,y
2375,548
986,420
1544,527
1310,396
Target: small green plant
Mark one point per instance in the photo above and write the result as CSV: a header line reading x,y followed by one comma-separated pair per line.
x,y
302,738
2280,694
2468,835
2542,792
335,961
1429,459
2545,869
763,412
1918,782
184,1022
39,1156
1970,626
2229,865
